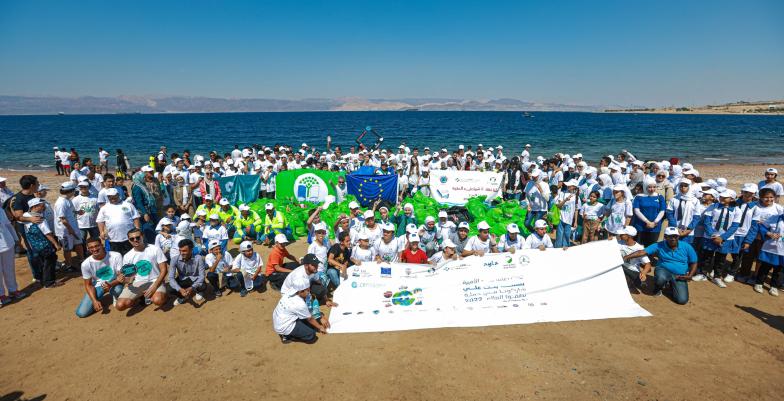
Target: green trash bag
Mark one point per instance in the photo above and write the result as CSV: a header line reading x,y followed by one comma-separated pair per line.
x,y
554,215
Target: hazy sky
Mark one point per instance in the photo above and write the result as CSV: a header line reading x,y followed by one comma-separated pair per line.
x,y
625,52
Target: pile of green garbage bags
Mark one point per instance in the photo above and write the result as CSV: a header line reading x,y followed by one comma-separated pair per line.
x,y
498,215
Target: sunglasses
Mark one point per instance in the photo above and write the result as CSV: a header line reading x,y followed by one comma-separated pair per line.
x,y
134,239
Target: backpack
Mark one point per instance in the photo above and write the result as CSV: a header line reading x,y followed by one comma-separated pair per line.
x,y
39,244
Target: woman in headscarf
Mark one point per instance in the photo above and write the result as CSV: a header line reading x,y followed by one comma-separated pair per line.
x,y
182,194
663,186
649,209
404,219
605,181
148,200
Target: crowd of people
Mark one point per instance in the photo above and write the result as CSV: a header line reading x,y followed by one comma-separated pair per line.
x,y
162,230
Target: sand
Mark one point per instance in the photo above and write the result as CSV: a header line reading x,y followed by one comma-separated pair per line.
x,y
726,344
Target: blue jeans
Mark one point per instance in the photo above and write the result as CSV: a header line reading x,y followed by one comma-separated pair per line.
x,y
85,307
303,331
562,235
275,231
334,276
250,233
680,288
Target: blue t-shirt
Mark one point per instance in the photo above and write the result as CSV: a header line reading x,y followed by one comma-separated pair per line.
x,y
650,207
674,260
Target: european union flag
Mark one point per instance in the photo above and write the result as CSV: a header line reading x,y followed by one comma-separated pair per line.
x,y
369,187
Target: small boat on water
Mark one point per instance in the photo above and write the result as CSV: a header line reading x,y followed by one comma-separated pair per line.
x,y
527,115
60,113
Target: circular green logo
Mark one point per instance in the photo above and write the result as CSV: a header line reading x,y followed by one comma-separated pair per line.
x,y
105,273
143,268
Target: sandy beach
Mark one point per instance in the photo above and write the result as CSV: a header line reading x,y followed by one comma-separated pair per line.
x,y
724,344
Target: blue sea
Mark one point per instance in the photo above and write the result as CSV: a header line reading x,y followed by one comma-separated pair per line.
x,y
27,140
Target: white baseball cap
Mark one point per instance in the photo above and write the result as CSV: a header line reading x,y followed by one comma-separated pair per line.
x,y
572,183
208,197
429,219
483,225
244,246
281,239
363,236
464,224
413,238
728,193
320,227
461,147
630,230
671,231
448,244
527,145
619,187
749,187
166,221
353,205
110,192
512,228
214,216
411,228
185,216
269,206
147,169
68,186
772,170
224,201
84,183
201,212
540,224
244,207
34,202
442,214
388,227
369,214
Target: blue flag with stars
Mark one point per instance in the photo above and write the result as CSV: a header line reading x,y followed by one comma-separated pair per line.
x,y
369,187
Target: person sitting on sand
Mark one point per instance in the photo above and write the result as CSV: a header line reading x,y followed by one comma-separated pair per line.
x,y
677,264
292,319
102,274
151,270
186,274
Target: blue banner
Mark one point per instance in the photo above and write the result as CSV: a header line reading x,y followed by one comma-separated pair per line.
x,y
240,188
368,188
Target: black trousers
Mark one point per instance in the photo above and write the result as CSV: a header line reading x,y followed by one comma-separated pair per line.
x,y
120,247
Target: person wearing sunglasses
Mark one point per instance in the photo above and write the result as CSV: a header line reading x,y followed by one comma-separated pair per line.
x,y
151,269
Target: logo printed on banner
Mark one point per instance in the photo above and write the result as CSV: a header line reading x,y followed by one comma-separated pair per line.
x,y
230,186
524,260
310,187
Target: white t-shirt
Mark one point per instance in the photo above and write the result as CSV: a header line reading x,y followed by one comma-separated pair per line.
x,y
776,186
298,274
102,155
389,252
218,233
102,198
165,243
618,212
321,253
118,219
505,244
767,215
568,208
289,310
533,241
592,212
247,265
146,261
636,263
101,271
537,199
64,208
445,230
438,258
223,265
476,244
88,205
363,255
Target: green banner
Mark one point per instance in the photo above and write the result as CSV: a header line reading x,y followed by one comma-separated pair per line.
x,y
240,188
306,184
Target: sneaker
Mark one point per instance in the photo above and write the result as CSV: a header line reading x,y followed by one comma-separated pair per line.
x,y
699,277
773,291
218,293
758,288
4,300
729,278
710,274
284,339
719,282
198,297
179,301
18,295
657,294
243,293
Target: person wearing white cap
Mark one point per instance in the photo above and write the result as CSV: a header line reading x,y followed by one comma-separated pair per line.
x,y
368,227
388,248
447,254
215,231
446,228
770,182
567,203
539,239
293,319
526,153
248,263
247,226
771,255
319,246
275,223
649,208
537,193
277,267
618,211
362,251
228,214
677,264
742,256
481,243
720,221
681,211
307,270
460,237
114,221
636,269
765,216
429,236
66,227
164,238
108,183
209,206
404,219
356,215
412,253
86,207
151,270
218,269
511,241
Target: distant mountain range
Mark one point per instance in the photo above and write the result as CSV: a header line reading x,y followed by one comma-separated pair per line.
x,y
21,105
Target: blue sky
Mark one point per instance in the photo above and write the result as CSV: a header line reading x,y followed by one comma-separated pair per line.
x,y
632,52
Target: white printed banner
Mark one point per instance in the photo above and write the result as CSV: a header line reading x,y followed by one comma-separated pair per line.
x,y
581,283
455,187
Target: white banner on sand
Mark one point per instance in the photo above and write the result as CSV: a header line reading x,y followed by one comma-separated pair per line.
x,y
582,283
455,187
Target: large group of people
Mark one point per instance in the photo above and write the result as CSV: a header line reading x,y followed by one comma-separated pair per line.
x,y
161,231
